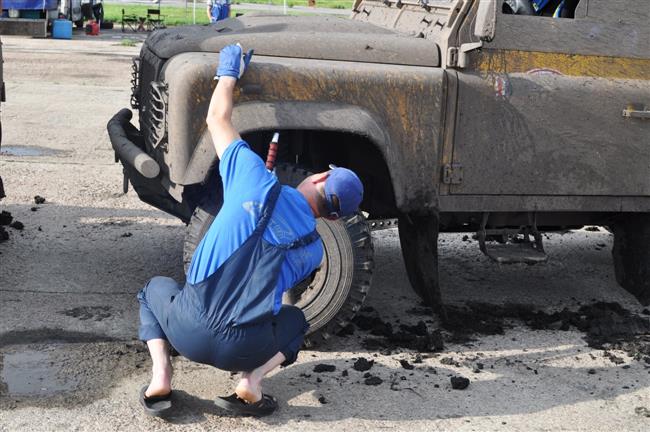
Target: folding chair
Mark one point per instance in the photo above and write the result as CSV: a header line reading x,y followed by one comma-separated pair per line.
x,y
131,21
155,20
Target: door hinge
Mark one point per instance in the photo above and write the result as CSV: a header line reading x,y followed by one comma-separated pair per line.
x,y
452,173
457,57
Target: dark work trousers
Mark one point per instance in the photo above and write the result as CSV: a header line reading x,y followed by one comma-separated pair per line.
x,y
227,320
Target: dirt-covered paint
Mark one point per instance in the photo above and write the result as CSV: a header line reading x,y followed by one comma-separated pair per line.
x,y
514,61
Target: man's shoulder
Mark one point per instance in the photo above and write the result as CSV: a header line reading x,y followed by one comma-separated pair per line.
x,y
295,211
237,156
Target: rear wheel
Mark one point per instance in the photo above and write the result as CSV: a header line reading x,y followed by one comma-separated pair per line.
x,y
333,294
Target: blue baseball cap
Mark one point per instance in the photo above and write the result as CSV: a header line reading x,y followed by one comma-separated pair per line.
x,y
343,191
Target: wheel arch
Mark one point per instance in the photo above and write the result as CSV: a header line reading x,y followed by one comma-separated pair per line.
x,y
366,148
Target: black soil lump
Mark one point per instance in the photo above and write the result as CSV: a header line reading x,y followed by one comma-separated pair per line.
x,y
5,218
39,199
363,365
373,381
606,325
420,329
375,325
459,383
319,368
18,225
414,337
406,365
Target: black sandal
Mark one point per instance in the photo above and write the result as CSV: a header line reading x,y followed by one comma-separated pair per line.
x,y
155,405
265,406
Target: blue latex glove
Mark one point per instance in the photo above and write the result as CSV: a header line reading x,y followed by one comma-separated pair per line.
x,y
232,61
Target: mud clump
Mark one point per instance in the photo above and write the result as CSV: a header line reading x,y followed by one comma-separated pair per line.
x,y
373,381
363,364
17,225
606,325
459,383
406,365
39,199
374,325
642,411
4,235
5,218
613,358
449,361
463,323
416,337
321,367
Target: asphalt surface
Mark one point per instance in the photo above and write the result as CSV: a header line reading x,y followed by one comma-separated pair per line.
x,y
68,355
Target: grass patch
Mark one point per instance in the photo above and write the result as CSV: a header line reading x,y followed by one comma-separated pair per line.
x,y
128,42
179,15
173,15
330,4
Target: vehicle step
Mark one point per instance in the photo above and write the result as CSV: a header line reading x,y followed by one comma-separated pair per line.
x,y
515,245
513,253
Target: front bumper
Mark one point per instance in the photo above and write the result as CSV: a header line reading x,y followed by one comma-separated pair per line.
x,y
140,169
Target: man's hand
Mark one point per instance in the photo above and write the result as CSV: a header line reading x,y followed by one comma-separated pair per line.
x,y
232,61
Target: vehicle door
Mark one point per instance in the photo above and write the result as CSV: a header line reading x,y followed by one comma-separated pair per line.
x,y
558,106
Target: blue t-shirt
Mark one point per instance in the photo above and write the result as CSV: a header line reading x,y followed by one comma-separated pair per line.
x,y
246,183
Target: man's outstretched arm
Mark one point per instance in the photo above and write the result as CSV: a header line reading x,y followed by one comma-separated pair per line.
x,y
219,115
231,67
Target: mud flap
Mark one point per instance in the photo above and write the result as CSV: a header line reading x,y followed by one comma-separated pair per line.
x,y
631,254
418,236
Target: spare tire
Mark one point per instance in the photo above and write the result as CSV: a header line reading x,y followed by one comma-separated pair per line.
x,y
333,294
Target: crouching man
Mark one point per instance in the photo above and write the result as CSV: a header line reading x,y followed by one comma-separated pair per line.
x,y
229,314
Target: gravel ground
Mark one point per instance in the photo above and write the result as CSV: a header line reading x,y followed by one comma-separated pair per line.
x,y
68,355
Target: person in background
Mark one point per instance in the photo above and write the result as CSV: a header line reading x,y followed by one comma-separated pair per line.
x,y
218,10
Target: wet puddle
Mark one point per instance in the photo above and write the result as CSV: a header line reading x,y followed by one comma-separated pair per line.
x,y
34,373
27,151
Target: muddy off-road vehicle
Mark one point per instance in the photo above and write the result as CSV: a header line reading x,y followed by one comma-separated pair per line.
x,y
458,115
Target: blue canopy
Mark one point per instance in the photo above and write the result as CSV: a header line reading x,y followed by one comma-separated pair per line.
x,y
29,4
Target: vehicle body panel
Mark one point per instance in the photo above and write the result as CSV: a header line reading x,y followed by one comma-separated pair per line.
x,y
545,100
305,37
399,109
